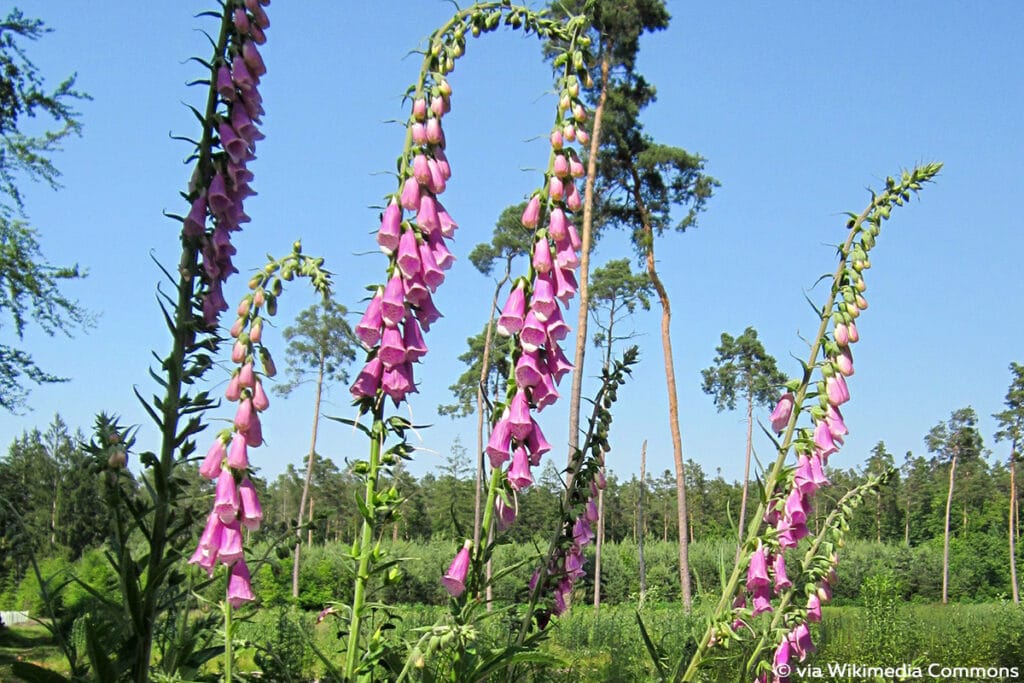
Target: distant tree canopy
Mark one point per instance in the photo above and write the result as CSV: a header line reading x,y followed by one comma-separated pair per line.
x,y
29,284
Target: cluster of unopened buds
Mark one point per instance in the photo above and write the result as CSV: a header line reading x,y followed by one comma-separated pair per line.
x,y
236,504
220,193
400,311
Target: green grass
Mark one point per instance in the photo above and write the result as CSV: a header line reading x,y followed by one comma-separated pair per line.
x,y
29,643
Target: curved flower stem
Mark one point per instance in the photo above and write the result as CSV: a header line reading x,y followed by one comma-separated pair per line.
x,y
365,545
772,480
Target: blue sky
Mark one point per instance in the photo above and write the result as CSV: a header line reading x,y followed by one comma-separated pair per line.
x,y
798,108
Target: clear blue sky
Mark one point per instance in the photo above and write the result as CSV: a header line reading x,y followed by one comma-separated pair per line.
x,y
798,107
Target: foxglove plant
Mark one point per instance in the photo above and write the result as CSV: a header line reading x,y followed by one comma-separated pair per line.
x,y
781,521
236,503
152,585
412,233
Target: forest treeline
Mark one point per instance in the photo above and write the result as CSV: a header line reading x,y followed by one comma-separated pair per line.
x,y
52,508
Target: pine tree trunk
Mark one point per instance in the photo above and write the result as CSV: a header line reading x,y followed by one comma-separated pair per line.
x,y
945,545
598,543
906,526
1012,516
878,517
746,467
309,476
640,520
309,528
673,401
586,238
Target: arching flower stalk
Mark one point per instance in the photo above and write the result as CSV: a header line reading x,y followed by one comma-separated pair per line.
x,y
413,229
781,521
531,316
236,504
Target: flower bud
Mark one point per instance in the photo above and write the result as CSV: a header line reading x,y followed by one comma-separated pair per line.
x,y
419,109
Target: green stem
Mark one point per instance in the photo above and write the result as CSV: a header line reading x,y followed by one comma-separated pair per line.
x,y
229,652
184,334
772,480
365,545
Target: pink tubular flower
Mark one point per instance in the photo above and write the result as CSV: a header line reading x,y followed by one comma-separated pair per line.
x,y
368,381
582,534
762,600
397,382
392,348
519,476
814,608
393,302
259,397
410,197
243,416
528,371
801,641
757,571
841,334
500,442
782,413
782,581
432,273
536,444
454,580
542,256
511,320
556,225
239,585
803,477
506,513
427,214
390,228
836,425
210,469
836,390
534,333
844,362
543,303
412,338
225,503
781,661
231,543
795,509
520,422
823,439
408,254
251,512
565,280
532,213
238,453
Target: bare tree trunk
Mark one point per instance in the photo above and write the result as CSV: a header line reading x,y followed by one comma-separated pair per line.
x,y
906,525
945,544
309,528
585,244
598,543
1012,515
643,529
746,467
309,476
878,517
673,401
